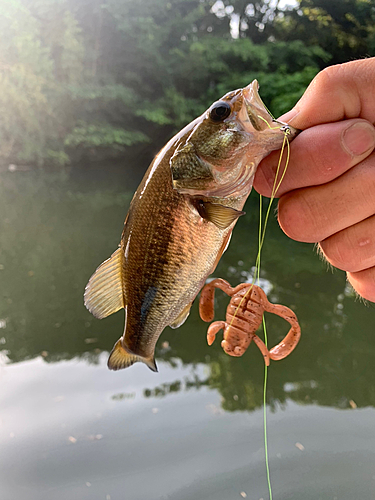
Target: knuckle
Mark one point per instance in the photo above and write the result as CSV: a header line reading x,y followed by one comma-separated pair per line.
x,y
297,217
363,283
327,78
340,252
338,82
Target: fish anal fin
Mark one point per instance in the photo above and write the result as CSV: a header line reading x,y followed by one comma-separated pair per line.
x,y
220,215
103,293
119,358
181,318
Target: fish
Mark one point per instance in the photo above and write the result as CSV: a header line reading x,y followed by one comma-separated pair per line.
x,y
180,221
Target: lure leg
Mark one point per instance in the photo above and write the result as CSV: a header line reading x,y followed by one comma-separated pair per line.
x,y
288,344
213,329
206,301
263,349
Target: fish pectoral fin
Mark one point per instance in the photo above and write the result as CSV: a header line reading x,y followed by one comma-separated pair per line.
x,y
120,358
181,318
220,215
103,293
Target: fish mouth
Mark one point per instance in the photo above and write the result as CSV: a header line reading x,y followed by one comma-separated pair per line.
x,y
258,115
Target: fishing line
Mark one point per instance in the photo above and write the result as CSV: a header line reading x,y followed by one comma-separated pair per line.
x,y
256,277
275,188
265,417
265,366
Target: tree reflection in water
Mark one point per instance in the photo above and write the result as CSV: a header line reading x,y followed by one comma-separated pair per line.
x,y
55,229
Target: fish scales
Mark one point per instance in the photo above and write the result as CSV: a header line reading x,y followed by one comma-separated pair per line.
x,y
180,221
169,245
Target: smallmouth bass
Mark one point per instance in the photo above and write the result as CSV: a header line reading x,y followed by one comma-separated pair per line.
x,y
180,221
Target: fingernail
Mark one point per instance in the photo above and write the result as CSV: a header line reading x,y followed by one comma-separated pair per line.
x,y
358,138
289,116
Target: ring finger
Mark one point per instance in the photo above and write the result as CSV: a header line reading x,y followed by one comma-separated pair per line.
x,y
313,214
352,249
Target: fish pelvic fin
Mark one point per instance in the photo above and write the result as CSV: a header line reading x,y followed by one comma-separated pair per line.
x,y
120,358
103,293
181,318
223,248
220,215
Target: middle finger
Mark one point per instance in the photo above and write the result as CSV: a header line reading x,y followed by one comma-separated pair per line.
x,y
313,214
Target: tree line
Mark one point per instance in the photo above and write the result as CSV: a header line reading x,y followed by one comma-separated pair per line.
x,y
89,79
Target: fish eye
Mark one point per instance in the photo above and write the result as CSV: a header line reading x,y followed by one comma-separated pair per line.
x,y
219,111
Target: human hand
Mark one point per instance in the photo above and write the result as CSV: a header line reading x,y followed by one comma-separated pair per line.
x,y
328,192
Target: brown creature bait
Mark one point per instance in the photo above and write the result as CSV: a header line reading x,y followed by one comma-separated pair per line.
x,y
244,316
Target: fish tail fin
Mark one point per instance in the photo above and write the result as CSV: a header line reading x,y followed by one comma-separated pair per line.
x,y
120,358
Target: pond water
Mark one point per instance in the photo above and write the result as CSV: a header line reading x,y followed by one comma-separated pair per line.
x,y
71,429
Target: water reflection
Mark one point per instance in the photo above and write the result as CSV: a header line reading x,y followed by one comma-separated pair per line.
x,y
56,228
74,430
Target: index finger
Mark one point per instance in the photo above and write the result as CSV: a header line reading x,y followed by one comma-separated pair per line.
x,y
318,155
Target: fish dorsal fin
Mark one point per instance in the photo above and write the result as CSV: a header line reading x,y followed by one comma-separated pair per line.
x,y
103,293
181,318
220,215
120,358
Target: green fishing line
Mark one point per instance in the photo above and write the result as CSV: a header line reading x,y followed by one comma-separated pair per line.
x,y
256,277
261,236
260,243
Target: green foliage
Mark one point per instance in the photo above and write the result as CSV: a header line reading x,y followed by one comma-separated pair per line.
x,y
102,135
104,93
25,77
78,77
29,87
344,28
283,71
56,158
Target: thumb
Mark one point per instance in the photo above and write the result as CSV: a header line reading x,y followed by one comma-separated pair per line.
x,y
336,93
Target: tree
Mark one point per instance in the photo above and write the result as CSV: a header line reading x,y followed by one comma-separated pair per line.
x,y
343,28
97,79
